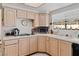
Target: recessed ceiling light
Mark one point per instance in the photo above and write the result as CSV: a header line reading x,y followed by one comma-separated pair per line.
x,y
34,4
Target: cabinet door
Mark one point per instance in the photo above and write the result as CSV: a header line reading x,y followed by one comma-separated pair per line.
x,y
43,19
36,20
9,17
30,15
24,46
33,44
41,44
64,48
48,45
11,50
21,14
53,47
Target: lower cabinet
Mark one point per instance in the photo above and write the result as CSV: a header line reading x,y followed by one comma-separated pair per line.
x,y
48,45
11,48
53,47
24,46
29,45
65,48
33,44
42,43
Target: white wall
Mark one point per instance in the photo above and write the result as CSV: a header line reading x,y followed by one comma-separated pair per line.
x,y
67,15
71,33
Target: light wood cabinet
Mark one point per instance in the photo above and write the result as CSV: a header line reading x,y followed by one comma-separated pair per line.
x,y
21,14
30,15
41,43
36,20
11,49
48,45
9,17
29,45
24,46
43,19
33,44
54,47
65,48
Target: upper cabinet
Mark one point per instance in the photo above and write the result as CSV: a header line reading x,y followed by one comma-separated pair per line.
x,y
25,14
43,19
30,15
36,20
9,17
21,14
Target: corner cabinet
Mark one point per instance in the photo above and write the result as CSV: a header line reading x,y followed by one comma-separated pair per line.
x,y
65,48
43,19
9,17
24,46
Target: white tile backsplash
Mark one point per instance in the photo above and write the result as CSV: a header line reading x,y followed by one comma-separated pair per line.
x,y
23,29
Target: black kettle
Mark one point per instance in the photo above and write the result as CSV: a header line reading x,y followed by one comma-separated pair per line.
x,y
15,32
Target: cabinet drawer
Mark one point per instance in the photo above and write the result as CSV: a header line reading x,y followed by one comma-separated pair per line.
x,y
10,42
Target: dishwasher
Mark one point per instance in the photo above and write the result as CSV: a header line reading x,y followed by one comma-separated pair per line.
x,y
75,49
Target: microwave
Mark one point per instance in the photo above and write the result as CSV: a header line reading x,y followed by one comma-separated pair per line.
x,y
41,29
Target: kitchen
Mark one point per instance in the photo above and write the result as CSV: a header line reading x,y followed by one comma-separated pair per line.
x,y
28,29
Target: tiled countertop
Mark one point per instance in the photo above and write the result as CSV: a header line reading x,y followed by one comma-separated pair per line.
x,y
69,39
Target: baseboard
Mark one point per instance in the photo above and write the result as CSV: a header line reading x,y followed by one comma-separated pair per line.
x,y
44,52
38,52
32,54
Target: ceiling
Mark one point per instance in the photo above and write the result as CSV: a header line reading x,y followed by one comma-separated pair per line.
x,y
34,4
52,6
46,7
40,7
